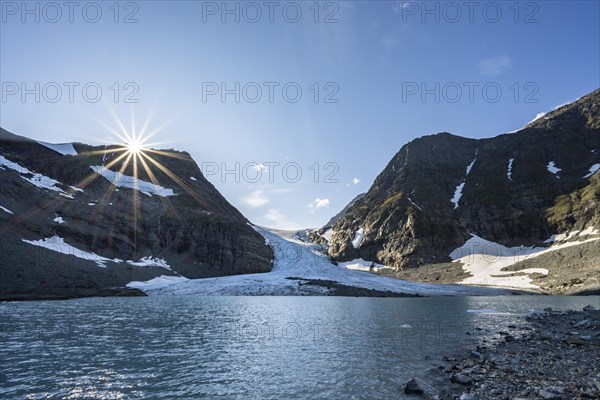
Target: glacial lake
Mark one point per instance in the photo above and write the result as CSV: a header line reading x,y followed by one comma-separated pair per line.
x,y
243,347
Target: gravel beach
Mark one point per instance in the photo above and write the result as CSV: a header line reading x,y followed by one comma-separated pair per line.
x,y
549,355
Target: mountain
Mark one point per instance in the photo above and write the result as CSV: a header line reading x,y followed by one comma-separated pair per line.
x,y
342,213
322,235
513,192
76,221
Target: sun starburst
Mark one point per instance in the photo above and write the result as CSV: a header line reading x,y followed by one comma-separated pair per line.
x,y
133,157
135,147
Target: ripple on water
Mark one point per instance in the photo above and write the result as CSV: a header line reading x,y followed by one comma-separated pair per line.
x,y
241,347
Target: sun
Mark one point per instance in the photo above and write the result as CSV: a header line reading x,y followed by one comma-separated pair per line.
x,y
135,146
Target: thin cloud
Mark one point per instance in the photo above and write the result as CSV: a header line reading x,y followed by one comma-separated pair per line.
x,y
494,66
255,199
400,5
283,190
278,220
260,167
388,40
318,204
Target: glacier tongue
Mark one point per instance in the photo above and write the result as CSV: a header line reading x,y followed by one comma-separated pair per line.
x,y
301,261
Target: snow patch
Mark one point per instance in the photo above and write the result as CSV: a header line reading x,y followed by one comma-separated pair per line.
x,y
157,283
562,237
358,238
593,169
121,180
39,180
537,116
150,262
457,195
470,166
551,167
458,192
66,149
105,153
58,219
57,244
509,173
359,264
485,260
192,178
543,114
6,210
414,204
327,234
589,231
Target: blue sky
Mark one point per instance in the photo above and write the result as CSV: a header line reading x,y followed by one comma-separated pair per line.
x,y
375,58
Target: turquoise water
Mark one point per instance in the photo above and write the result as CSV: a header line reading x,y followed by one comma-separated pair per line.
x,y
242,347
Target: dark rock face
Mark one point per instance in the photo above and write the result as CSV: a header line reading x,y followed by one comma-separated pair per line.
x,y
341,214
196,231
408,215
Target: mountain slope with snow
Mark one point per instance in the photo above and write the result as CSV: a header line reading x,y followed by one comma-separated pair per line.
x,y
514,189
82,217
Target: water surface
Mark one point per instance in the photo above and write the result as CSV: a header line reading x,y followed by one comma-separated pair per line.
x,y
242,347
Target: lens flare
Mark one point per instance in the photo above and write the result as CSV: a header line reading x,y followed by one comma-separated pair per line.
x,y
135,146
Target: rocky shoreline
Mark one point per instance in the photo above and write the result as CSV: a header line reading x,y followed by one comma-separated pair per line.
x,y
551,355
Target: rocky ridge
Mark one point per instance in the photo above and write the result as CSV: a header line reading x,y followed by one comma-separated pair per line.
x,y
514,189
93,234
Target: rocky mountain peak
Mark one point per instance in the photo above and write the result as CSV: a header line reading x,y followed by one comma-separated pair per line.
x,y
513,189
82,217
